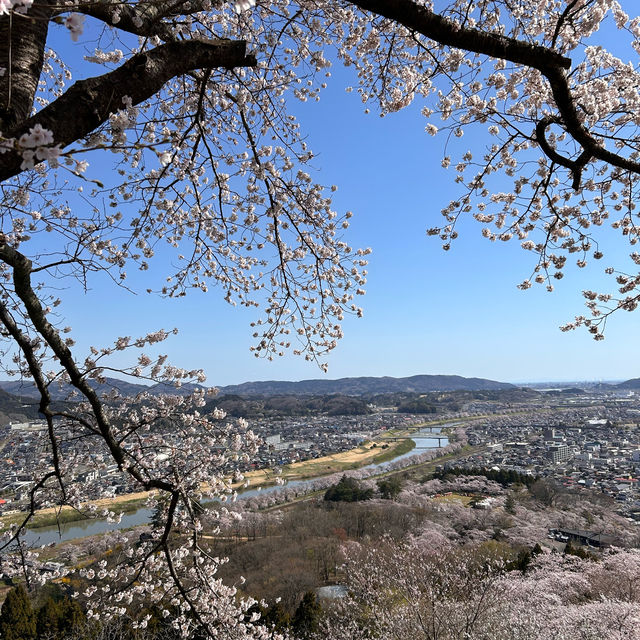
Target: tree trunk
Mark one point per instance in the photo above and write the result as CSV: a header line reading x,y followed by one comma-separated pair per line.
x,y
22,43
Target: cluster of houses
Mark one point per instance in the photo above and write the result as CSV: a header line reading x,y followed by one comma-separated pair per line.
x,y
577,448
594,445
294,439
25,449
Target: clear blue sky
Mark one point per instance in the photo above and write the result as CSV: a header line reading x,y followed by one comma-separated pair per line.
x,y
426,311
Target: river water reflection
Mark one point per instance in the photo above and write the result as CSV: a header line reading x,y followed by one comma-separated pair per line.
x,y
424,439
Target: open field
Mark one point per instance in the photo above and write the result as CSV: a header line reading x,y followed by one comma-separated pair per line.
x,y
455,498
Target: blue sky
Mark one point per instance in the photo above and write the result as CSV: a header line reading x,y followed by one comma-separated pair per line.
x,y
426,311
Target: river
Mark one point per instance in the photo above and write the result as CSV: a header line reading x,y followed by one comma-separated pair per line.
x,y
424,439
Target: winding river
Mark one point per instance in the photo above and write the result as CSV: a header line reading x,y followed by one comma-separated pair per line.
x,y
424,439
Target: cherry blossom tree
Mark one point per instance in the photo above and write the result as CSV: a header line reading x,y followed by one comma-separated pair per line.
x,y
427,589
190,103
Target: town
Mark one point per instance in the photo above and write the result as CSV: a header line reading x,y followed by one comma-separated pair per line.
x,y
588,439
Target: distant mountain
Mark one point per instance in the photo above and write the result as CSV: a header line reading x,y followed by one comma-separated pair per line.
x,y
365,385
26,389
19,388
634,383
342,386
13,409
291,405
569,391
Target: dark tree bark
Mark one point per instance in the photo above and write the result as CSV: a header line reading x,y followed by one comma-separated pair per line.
x,y
88,103
22,45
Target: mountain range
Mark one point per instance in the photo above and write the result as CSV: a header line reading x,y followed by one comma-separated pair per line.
x,y
343,386
60,392
13,409
365,385
634,383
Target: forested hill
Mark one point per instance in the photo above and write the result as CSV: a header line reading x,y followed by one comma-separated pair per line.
x,y
60,392
634,383
366,385
13,409
342,386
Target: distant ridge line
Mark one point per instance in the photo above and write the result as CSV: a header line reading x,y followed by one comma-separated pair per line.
x,y
366,384
354,386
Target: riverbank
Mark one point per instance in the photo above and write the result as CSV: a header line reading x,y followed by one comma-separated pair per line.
x,y
376,452
54,516
415,472
383,449
89,528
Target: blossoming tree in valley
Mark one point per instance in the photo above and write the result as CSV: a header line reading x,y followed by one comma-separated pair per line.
x,y
424,589
188,102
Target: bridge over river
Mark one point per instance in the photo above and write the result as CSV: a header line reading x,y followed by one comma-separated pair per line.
x,y
425,437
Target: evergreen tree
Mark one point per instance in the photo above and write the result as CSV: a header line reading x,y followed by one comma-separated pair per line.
x,y
390,487
72,616
48,619
510,504
58,617
572,550
307,616
347,490
276,617
17,619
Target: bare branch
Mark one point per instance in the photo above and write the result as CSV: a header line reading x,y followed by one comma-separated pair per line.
x,y
143,18
22,282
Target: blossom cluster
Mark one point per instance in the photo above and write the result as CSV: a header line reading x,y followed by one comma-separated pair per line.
x,y
243,5
75,24
415,587
20,6
37,145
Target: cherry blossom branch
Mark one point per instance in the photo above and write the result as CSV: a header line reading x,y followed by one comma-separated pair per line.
x,y
22,283
419,18
576,166
551,64
561,21
144,18
88,103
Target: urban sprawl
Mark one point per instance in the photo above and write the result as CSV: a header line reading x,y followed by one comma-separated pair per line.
x,y
588,439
